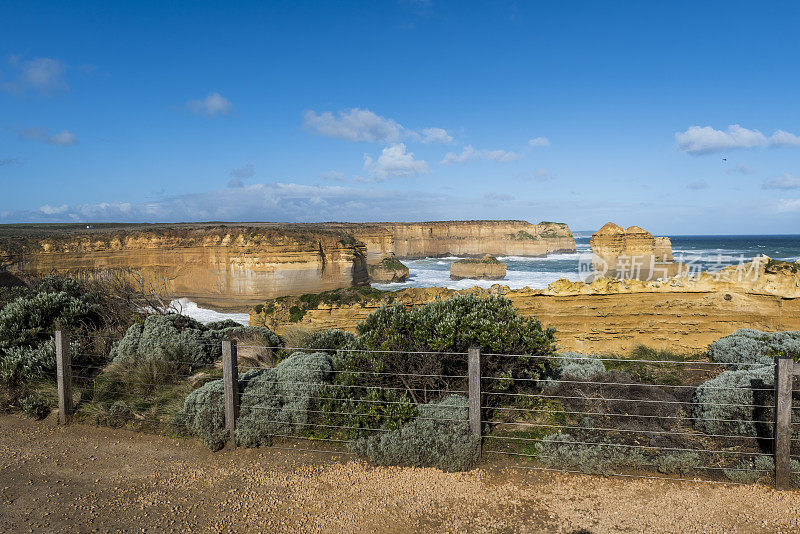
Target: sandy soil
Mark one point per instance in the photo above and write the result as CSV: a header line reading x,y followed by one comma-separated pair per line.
x,y
86,479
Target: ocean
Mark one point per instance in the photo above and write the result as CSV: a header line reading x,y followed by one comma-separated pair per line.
x,y
701,252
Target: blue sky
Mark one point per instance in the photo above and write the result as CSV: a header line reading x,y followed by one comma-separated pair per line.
x,y
681,117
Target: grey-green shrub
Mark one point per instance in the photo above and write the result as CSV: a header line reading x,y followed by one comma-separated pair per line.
x,y
794,467
438,437
747,346
577,366
747,472
730,402
329,340
199,345
20,365
564,451
678,462
273,401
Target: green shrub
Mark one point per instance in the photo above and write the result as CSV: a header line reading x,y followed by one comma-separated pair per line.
x,y
273,401
21,365
747,346
327,340
28,321
35,406
360,411
794,466
563,451
439,437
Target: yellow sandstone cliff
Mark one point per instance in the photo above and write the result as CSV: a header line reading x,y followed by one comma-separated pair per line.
x,y
632,253
608,315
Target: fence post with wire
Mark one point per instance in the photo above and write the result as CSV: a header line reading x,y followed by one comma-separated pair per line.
x,y
785,369
474,392
63,376
230,379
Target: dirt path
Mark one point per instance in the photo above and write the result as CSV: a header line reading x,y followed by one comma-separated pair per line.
x,y
87,479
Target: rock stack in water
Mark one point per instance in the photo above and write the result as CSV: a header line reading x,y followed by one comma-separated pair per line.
x,y
388,270
632,253
486,268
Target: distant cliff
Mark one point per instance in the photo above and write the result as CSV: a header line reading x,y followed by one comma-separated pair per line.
x,y
215,265
460,238
226,265
632,253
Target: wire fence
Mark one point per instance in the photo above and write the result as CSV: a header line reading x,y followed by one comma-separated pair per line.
x,y
654,418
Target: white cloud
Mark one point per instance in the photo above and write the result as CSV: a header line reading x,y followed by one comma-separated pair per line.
x,y
62,138
743,168
47,209
782,182
394,161
336,176
364,125
212,105
705,139
787,205
436,135
539,141
235,183
469,153
696,186
43,75
783,138
248,171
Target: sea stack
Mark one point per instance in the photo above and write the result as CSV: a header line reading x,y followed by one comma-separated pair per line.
x,y
486,268
632,253
388,270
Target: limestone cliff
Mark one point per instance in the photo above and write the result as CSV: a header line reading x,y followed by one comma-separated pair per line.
x,y
214,265
460,238
388,270
631,253
606,316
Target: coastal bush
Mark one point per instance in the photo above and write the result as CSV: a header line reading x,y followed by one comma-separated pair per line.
x,y
327,340
439,437
423,349
566,452
30,320
678,462
359,412
35,406
273,401
198,345
735,402
747,346
761,468
21,365
576,366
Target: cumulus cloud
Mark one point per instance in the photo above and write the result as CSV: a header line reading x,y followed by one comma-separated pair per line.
x,y
47,209
469,153
784,182
212,105
248,171
43,76
394,161
436,135
539,141
705,139
62,138
696,186
364,125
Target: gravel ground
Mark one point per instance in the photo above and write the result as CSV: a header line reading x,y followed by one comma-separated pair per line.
x,y
87,479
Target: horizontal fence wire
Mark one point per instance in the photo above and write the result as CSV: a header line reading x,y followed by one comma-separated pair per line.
x,y
629,384
612,414
628,430
653,447
546,395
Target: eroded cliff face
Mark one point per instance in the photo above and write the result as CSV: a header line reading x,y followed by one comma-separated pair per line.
x,y
632,253
605,316
214,266
461,238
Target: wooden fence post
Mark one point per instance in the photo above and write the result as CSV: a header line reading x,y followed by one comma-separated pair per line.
x,y
230,380
784,371
474,382
64,377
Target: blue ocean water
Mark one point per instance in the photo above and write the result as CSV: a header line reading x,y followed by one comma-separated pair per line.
x,y
701,252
